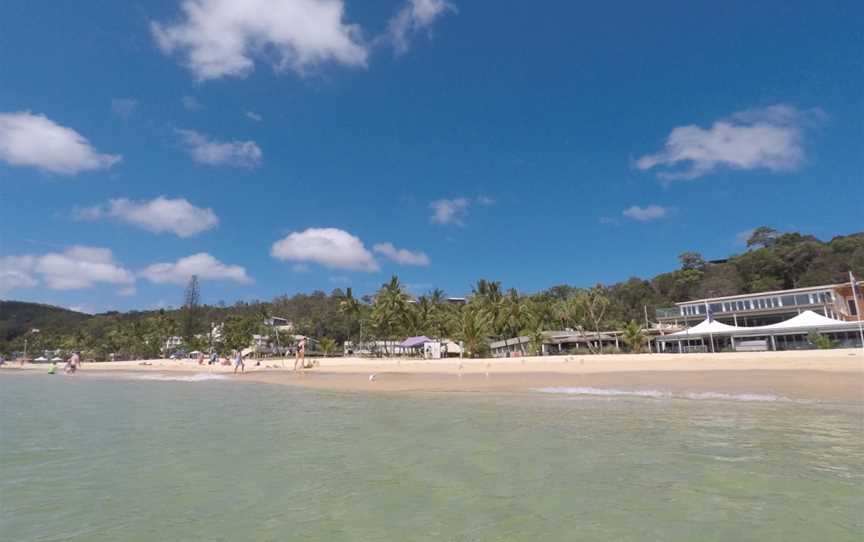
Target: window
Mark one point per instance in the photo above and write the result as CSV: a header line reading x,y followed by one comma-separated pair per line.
x,y
802,299
701,309
788,300
716,307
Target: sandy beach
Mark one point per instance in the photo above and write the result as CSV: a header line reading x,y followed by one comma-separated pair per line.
x,y
814,375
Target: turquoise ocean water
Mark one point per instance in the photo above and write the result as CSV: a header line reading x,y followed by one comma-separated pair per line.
x,y
98,459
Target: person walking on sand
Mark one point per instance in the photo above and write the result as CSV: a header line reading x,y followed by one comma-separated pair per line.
x,y
238,362
72,364
201,358
301,354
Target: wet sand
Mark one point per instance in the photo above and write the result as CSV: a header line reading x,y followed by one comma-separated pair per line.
x,y
832,375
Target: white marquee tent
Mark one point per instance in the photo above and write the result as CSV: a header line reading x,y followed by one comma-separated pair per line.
x,y
801,324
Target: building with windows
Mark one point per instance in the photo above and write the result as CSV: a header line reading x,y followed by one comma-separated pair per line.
x,y
835,301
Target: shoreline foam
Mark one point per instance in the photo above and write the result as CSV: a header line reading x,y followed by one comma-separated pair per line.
x,y
832,375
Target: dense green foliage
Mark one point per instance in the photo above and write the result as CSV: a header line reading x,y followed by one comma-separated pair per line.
x,y
773,261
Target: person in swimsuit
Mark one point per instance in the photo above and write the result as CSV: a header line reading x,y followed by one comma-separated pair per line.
x,y
72,365
301,354
238,363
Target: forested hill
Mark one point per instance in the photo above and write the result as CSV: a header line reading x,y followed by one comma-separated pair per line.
x,y
771,261
17,317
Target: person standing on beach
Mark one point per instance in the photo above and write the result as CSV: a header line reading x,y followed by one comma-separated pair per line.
x,y
72,364
301,354
238,362
201,358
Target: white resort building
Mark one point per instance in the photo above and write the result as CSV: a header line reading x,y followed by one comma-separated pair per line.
x,y
779,320
832,300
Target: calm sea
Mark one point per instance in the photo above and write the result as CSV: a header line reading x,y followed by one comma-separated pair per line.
x,y
98,459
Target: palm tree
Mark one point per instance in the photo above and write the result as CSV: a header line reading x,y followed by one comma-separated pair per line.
x,y
589,311
350,307
440,313
390,308
514,315
535,334
327,345
472,327
633,336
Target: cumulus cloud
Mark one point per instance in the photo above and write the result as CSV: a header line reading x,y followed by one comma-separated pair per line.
x,y
217,153
224,38
646,214
400,255
331,247
764,138
413,17
36,141
75,268
159,215
17,272
203,265
124,107
450,211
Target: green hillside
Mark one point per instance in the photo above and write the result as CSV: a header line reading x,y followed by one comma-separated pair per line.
x,y
772,261
18,317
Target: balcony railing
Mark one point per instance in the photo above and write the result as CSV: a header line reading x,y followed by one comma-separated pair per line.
x,y
673,312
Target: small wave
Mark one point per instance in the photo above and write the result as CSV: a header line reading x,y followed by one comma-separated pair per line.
x,y
657,394
200,377
606,392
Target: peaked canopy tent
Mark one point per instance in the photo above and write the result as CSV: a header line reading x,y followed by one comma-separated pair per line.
x,y
703,329
802,324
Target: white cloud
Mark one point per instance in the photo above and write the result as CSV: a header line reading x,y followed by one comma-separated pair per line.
x,y
331,247
648,213
401,256
449,211
124,107
203,265
764,138
35,140
415,16
215,153
224,38
84,308
158,215
75,268
191,103
251,115
16,272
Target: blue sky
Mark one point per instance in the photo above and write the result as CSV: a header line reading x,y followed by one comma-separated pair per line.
x,y
279,146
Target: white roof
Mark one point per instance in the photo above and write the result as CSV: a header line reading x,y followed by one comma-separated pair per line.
x,y
805,319
705,327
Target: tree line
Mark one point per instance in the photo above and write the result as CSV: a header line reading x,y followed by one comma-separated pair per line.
x,y
773,261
